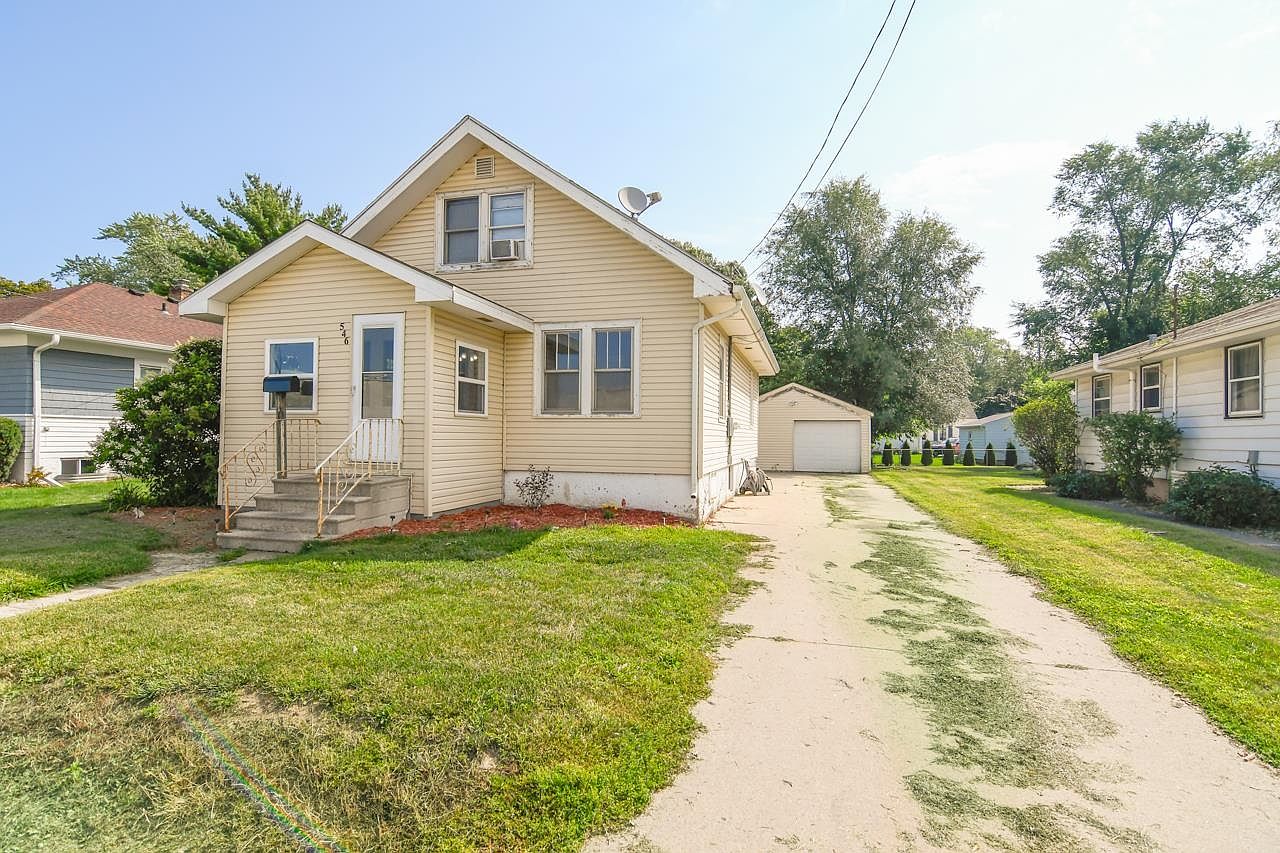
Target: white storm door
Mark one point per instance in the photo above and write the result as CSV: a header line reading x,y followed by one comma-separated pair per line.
x,y
377,386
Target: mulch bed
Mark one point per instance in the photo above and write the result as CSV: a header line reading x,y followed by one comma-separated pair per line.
x,y
191,528
524,518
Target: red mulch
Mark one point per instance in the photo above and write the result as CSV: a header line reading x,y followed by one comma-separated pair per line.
x,y
524,518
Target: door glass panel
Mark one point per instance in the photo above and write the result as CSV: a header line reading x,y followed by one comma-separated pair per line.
x,y
377,384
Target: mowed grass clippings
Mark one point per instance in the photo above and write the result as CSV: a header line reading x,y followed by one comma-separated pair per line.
x,y
497,690
54,538
1198,610
985,724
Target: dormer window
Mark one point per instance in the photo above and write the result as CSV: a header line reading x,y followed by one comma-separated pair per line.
x,y
485,229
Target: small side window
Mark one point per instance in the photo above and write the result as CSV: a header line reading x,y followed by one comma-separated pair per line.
x,y
473,380
1244,380
1151,388
1102,395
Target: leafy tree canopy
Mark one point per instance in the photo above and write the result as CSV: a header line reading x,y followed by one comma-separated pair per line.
x,y
11,287
997,371
1159,234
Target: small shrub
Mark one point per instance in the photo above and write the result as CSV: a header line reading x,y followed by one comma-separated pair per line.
x,y
37,476
989,458
128,494
905,455
1086,485
1220,497
1133,446
1049,428
608,510
1011,455
968,455
535,488
10,445
948,454
886,455
926,454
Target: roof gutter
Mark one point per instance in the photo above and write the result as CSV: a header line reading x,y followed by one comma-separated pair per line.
x,y
35,404
695,400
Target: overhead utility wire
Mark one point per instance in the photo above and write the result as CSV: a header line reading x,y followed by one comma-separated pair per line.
x,y
826,138
854,127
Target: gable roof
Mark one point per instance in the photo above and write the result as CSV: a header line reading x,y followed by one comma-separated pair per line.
x,y
1240,322
466,138
826,398
212,299
974,422
98,311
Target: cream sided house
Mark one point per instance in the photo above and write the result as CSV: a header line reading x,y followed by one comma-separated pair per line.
x,y
482,315
63,355
1219,380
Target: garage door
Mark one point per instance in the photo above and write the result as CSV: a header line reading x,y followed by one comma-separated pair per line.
x,y
827,446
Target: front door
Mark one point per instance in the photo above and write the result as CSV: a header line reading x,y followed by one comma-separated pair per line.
x,y
377,386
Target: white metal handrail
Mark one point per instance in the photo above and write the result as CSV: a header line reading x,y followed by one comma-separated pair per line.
x,y
244,474
373,448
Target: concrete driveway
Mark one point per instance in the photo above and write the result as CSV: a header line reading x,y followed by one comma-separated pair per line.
x,y
899,690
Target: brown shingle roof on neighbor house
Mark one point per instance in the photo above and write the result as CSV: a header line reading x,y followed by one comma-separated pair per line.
x,y
107,311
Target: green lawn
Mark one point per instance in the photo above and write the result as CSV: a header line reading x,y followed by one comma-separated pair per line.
x,y
54,538
494,690
1196,609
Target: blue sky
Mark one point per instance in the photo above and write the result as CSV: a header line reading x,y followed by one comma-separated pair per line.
x,y
111,108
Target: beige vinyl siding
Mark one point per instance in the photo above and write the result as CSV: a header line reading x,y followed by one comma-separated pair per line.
x,y
584,270
466,450
715,443
745,392
308,299
778,415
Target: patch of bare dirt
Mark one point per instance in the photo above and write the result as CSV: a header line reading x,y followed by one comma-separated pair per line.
x,y
190,528
526,518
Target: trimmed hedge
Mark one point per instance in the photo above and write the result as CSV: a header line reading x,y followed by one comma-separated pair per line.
x,y
886,454
1220,497
948,454
1086,485
989,458
1011,455
968,455
10,446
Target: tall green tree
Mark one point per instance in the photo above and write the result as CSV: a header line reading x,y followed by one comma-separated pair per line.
x,y
881,300
12,287
1177,210
997,371
151,258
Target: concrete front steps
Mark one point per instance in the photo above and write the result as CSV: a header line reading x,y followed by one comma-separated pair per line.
x,y
284,519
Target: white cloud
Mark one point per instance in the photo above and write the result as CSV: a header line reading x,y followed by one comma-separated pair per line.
x,y
968,180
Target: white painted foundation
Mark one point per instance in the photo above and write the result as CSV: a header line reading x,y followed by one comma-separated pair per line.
x,y
662,492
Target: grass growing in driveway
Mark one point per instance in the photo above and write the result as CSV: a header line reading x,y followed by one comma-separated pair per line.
x,y
1196,609
496,690
53,538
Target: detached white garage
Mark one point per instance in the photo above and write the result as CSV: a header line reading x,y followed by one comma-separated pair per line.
x,y
805,430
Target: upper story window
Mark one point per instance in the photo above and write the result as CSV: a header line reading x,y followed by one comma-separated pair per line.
x,y
1244,380
589,369
1151,388
296,357
473,367
146,371
485,228
1102,395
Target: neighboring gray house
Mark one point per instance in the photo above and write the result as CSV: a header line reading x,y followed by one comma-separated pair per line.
x,y
63,355
996,430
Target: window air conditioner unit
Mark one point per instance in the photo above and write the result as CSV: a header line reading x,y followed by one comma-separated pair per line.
x,y
504,250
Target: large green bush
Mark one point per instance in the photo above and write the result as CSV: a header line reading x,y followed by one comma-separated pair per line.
x,y
1219,497
10,445
1049,427
1133,446
167,432
1088,485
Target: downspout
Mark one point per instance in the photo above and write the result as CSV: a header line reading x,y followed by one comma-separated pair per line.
x,y
695,395
35,403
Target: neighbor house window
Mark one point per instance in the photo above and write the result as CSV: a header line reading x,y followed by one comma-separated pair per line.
x,y
1102,395
146,371
1151,388
293,358
1244,380
561,372
506,222
462,230
611,371
79,467
473,366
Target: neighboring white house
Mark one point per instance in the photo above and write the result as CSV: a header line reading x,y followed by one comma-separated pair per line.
x,y
805,430
63,355
1218,379
996,430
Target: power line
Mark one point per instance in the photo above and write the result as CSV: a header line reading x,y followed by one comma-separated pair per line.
x,y
826,138
852,128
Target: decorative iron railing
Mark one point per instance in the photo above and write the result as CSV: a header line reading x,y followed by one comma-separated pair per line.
x,y
374,448
244,474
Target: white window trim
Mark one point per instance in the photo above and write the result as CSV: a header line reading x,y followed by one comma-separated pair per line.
x,y
1228,381
586,367
1093,394
139,366
1143,388
360,322
267,408
483,250
483,383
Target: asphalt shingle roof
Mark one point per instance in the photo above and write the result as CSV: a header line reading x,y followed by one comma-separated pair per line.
x,y
107,311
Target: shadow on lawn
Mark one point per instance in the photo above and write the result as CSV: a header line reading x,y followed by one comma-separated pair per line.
x,y
485,544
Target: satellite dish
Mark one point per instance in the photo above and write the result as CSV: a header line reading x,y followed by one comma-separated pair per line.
x,y
636,201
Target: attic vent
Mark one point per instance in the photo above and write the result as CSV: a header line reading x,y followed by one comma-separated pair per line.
x,y
484,167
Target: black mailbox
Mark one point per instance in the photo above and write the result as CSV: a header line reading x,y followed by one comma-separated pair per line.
x,y
281,385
